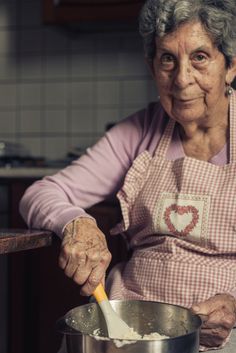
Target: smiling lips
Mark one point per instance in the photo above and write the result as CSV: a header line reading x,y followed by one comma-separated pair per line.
x,y
188,100
185,101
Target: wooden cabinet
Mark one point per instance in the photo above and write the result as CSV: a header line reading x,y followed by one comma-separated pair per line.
x,y
75,11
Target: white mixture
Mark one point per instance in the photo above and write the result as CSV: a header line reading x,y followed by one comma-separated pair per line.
x,y
130,337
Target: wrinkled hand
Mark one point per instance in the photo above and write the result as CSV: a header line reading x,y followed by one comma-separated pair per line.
x,y
84,254
219,316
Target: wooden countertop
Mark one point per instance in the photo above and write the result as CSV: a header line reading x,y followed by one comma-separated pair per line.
x,y
13,240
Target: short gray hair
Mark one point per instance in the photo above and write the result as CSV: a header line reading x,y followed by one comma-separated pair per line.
x,y
160,17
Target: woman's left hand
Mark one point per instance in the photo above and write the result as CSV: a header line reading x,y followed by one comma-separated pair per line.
x,y
218,315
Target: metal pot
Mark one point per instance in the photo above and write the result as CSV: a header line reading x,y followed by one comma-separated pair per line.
x,y
144,316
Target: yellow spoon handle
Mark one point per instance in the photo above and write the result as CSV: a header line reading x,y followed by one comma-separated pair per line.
x,y
99,293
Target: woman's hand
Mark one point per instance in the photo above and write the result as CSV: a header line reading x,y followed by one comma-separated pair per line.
x,y
84,254
219,316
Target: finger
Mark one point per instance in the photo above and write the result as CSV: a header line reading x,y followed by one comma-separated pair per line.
x,y
213,337
62,261
103,281
63,257
81,275
96,276
106,259
99,259
77,261
70,269
220,318
68,251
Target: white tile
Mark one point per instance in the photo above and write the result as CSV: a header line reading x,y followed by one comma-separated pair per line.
x,y
7,67
133,42
30,67
127,111
8,122
8,138
105,117
55,93
55,39
82,121
30,121
30,94
82,93
7,13
108,42
55,121
82,65
83,44
8,41
152,91
55,147
33,145
30,40
7,96
108,64
135,92
82,142
55,66
133,64
107,92
30,13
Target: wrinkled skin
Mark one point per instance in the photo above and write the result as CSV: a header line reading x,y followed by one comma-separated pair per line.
x,y
84,255
218,314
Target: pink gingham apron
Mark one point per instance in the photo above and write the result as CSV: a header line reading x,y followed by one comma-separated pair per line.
x,y
179,217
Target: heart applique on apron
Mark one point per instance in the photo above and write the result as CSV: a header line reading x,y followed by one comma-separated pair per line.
x,y
181,211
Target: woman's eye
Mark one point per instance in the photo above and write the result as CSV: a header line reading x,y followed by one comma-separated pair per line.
x,y
199,58
168,60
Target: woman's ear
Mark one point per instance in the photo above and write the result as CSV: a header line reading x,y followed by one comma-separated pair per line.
x,y
231,73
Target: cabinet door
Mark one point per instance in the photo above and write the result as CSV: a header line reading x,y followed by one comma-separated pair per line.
x,y
76,11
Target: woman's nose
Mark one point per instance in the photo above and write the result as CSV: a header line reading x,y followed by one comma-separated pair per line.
x,y
183,75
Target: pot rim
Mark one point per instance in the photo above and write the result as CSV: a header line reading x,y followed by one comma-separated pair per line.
x,y
64,328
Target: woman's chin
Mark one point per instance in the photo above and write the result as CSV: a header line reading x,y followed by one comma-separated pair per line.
x,y
186,115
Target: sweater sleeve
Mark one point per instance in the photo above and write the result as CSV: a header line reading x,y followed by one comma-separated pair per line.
x,y
54,201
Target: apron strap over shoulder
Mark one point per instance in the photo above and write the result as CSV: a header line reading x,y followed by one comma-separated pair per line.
x,y
165,141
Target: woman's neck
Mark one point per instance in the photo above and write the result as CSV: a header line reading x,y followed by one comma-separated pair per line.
x,y
203,141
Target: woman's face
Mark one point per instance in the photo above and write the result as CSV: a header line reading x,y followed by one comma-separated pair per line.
x,y
191,74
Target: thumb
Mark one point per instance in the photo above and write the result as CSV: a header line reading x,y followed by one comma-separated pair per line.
x,y
203,308
200,310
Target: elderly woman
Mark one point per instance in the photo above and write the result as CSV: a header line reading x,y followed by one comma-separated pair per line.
x,y
173,165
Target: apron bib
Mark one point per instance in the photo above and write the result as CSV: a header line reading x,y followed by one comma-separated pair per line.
x,y
180,221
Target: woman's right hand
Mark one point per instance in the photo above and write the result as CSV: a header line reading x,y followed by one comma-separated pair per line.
x,y
84,254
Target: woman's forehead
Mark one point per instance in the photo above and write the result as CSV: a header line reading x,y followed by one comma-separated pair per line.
x,y
187,36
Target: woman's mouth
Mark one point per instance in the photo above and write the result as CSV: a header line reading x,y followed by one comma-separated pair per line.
x,y
185,101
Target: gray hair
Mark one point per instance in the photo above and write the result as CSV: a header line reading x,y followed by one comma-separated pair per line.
x,y
160,17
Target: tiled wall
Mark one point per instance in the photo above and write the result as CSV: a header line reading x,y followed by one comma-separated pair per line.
x,y
60,86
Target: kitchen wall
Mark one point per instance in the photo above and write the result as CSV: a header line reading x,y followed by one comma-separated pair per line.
x,y
60,86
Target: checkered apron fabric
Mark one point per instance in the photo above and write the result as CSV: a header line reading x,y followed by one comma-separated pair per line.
x,y
179,217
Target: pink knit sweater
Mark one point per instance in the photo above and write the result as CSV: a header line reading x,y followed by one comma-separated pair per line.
x,y
54,201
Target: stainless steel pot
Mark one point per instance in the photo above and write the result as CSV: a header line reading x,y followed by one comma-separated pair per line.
x,y
144,316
